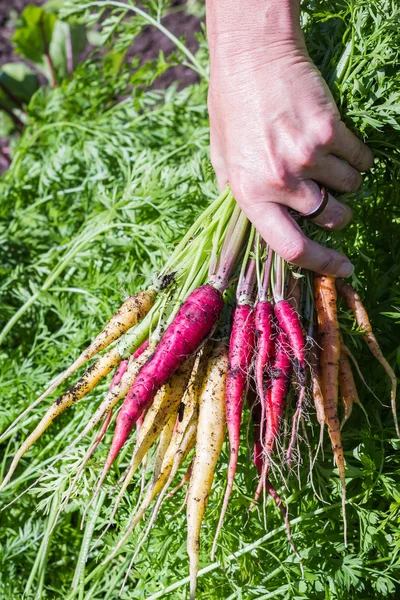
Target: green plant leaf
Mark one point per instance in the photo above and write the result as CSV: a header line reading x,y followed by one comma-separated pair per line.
x,y
18,83
67,42
33,33
113,61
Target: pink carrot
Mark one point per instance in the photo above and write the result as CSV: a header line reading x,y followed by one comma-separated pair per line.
x,y
194,321
279,504
264,358
139,422
138,352
289,322
274,400
241,348
264,315
142,348
123,365
280,381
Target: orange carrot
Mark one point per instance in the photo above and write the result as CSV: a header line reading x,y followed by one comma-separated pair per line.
x,y
348,390
329,339
354,302
315,374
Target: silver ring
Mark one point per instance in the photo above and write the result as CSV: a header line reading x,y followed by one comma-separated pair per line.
x,y
321,206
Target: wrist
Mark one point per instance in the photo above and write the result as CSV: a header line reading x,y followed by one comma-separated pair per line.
x,y
239,26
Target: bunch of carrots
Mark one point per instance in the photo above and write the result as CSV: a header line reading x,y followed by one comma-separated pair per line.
x,y
186,356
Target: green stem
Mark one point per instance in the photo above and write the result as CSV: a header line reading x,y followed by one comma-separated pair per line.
x,y
245,286
199,280
195,63
181,247
266,279
79,575
230,253
132,340
218,234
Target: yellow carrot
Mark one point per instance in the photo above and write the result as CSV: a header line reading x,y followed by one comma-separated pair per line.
x,y
210,437
86,383
132,310
181,444
183,481
165,439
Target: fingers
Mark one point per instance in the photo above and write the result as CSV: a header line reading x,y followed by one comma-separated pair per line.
x,y
307,198
336,174
335,216
217,161
348,146
285,237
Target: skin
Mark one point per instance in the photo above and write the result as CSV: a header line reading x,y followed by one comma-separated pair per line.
x,y
275,129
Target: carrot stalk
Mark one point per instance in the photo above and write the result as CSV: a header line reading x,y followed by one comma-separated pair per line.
x,y
294,291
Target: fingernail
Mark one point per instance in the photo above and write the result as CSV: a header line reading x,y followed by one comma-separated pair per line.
x,y
345,270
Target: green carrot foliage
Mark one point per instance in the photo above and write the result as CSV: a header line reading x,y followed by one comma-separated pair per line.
x,y
108,175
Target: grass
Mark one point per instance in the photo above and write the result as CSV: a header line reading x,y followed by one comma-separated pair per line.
x,y
99,192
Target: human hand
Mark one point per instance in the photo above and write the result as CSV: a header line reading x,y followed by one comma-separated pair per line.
x,y
276,131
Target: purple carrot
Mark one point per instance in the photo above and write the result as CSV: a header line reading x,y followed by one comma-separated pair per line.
x,y
195,320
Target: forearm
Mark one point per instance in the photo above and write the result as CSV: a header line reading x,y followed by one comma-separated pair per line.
x,y
237,25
